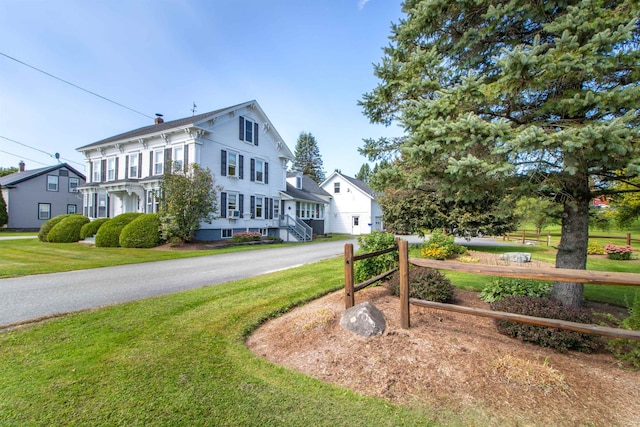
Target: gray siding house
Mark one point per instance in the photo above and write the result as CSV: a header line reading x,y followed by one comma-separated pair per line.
x,y
34,196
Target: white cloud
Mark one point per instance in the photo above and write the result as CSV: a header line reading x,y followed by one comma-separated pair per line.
x,y
361,4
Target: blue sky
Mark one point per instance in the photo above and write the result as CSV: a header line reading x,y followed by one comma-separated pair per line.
x,y
307,62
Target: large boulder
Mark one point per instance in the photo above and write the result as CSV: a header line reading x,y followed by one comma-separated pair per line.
x,y
516,257
363,319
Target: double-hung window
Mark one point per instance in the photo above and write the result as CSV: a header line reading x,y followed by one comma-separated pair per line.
x,y
158,162
52,183
232,205
336,187
259,171
232,164
178,158
248,130
97,171
111,169
102,206
44,210
259,207
72,209
133,165
73,185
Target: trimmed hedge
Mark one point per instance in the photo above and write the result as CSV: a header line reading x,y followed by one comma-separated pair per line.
x,y
90,229
49,224
67,230
142,232
108,236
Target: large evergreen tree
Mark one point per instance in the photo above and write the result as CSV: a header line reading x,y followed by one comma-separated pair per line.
x,y
8,171
307,157
364,173
536,97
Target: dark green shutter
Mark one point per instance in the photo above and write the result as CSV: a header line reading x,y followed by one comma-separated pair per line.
x,y
255,133
241,166
223,162
223,205
252,177
241,128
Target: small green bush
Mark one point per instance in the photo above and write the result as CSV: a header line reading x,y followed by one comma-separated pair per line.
x,y
426,284
558,339
501,287
370,267
441,246
619,253
595,249
108,236
90,229
48,225
142,232
67,230
628,351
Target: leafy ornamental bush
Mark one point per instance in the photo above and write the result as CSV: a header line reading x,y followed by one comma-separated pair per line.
x,y
502,287
67,230
546,337
142,232
370,267
595,249
426,284
108,236
628,351
246,236
620,253
48,225
441,246
90,229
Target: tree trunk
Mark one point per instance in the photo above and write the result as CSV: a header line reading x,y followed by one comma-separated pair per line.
x,y
572,251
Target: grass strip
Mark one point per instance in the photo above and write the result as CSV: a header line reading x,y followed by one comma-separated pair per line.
x,y
179,360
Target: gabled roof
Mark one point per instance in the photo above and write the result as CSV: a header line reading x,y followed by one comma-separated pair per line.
x,y
18,177
361,185
183,123
310,190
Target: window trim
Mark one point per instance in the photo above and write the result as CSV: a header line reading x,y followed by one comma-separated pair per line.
x,y
111,172
40,211
77,181
336,187
130,165
177,161
97,171
56,178
75,208
157,163
228,231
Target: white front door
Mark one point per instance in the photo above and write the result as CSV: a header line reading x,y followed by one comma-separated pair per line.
x,y
355,225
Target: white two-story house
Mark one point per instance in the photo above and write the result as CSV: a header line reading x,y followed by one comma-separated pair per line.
x,y
240,146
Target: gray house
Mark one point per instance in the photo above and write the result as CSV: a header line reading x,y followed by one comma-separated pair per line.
x,y
34,196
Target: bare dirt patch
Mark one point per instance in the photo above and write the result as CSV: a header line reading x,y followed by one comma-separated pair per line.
x,y
452,363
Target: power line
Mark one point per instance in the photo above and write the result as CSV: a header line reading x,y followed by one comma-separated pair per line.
x,y
74,85
37,149
23,158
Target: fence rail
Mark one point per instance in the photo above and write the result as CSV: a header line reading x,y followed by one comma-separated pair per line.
x,y
537,236
555,274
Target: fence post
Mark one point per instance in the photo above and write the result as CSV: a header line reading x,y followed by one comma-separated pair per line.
x,y
524,236
349,293
628,239
403,252
548,238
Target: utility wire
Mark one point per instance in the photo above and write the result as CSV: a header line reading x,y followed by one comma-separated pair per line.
x,y
24,158
37,149
74,85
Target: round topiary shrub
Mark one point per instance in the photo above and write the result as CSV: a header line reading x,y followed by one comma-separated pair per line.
x,y
108,236
67,230
558,339
90,229
48,225
142,232
426,284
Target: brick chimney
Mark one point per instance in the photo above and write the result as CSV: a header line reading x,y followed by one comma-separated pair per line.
x,y
21,166
158,119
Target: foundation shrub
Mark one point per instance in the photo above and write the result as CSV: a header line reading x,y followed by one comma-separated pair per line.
x,y
142,232
426,284
46,227
67,230
108,236
558,339
90,229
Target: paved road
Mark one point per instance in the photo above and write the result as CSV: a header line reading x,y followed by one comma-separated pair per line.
x,y
32,297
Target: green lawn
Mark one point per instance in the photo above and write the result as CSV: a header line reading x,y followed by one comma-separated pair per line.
x,y
179,360
31,256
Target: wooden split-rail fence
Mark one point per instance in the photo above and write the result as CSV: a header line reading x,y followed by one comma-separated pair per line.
x,y
555,274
